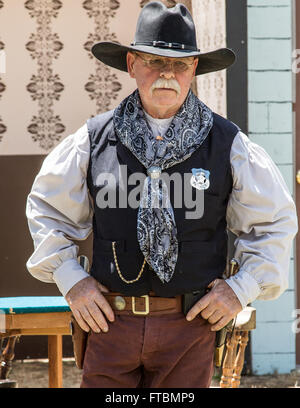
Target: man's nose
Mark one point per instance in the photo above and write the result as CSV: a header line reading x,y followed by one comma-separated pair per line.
x,y
167,71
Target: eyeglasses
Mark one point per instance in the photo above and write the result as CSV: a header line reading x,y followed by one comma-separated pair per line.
x,y
161,63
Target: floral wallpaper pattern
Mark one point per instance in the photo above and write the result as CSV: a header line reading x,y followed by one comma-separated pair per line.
x,y
3,128
103,85
53,95
45,86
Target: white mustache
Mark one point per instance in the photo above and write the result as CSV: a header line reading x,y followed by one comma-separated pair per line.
x,y
166,83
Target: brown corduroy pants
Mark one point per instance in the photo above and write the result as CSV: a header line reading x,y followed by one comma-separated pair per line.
x,y
163,351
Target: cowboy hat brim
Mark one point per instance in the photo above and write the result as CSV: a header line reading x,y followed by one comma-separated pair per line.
x,y
114,55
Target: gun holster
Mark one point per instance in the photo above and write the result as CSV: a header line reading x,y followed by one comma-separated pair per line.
x,y
220,343
79,339
188,301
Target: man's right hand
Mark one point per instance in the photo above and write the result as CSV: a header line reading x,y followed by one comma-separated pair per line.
x,y
89,305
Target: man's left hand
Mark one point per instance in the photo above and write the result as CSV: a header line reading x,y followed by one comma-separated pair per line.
x,y
218,307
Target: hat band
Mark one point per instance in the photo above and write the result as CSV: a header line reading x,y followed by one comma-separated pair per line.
x,y
163,44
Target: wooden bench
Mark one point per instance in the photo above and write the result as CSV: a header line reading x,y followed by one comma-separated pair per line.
x,y
34,315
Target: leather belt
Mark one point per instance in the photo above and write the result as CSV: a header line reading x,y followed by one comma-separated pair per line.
x,y
143,305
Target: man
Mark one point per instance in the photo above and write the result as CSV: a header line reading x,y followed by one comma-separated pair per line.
x,y
156,296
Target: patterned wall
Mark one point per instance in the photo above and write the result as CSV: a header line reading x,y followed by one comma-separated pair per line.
x,y
210,18
53,83
103,85
45,86
3,128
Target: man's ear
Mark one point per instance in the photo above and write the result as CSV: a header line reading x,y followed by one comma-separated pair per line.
x,y
195,65
130,58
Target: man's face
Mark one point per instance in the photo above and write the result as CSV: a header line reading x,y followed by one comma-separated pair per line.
x,y
163,83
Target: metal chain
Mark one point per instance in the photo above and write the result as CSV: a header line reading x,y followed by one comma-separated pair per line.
x,y
118,269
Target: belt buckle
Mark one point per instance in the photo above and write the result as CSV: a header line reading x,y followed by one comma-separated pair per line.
x,y
143,312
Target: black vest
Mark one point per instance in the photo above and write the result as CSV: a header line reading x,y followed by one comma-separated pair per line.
x,y
202,242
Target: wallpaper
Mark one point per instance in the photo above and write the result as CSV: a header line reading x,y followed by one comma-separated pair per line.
x,y
2,84
210,18
53,84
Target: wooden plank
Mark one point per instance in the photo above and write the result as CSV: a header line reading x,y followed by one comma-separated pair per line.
x,y
45,332
36,332
38,320
55,361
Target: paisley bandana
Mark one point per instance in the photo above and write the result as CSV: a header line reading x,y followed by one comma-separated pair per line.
x,y
156,227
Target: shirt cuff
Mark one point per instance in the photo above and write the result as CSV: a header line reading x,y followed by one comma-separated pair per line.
x,y
68,274
244,286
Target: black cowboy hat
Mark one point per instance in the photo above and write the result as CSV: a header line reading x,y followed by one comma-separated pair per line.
x,y
168,32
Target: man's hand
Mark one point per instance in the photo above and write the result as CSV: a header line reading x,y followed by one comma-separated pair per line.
x,y
219,306
88,305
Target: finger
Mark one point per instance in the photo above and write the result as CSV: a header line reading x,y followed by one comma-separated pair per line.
x,y
220,324
80,321
215,317
89,320
208,311
198,307
98,317
102,287
105,307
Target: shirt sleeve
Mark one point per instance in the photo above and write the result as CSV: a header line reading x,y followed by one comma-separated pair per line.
x,y
262,214
59,210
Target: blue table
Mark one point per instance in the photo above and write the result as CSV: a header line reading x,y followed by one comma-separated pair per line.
x,y
35,315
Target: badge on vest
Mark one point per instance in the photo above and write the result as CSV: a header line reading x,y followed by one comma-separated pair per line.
x,y
200,179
